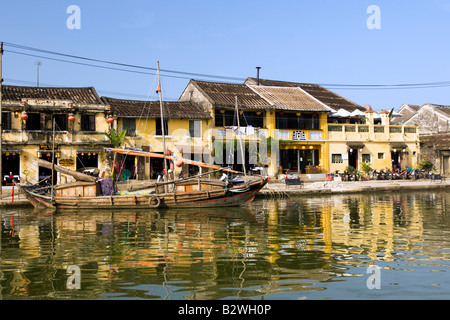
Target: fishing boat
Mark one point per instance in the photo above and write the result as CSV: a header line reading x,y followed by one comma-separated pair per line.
x,y
89,192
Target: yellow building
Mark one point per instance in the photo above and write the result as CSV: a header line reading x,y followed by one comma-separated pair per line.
x,y
185,134
302,128
281,128
373,141
80,120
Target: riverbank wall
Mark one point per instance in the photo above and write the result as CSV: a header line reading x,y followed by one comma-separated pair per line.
x,y
309,188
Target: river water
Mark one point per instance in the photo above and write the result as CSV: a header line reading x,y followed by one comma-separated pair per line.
x,y
372,246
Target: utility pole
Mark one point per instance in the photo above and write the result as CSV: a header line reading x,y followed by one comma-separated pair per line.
x,y
1,127
38,63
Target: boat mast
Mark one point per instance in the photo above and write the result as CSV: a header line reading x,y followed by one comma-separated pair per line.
x,y
162,124
53,156
240,138
1,128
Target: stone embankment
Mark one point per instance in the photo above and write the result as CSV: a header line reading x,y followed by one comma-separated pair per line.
x,y
277,188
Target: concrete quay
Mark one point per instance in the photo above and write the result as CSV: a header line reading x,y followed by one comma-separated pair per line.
x,y
322,187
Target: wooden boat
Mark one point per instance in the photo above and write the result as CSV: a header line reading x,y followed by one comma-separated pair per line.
x,y
90,192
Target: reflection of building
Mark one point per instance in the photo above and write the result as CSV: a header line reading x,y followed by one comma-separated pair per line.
x,y
27,122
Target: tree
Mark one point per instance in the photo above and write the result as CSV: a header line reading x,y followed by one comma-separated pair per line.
x,y
426,165
366,168
116,140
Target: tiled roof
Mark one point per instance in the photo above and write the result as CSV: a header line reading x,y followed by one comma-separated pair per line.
x,y
224,95
151,109
331,99
82,95
289,98
443,109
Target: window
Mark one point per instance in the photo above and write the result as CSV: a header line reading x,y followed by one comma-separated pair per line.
x,y
294,121
6,120
34,121
60,121
195,128
366,158
247,118
380,155
88,122
130,125
337,158
218,118
158,127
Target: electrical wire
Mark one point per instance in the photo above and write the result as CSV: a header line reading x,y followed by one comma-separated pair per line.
x,y
202,75
182,74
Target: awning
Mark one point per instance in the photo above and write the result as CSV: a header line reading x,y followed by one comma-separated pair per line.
x,y
97,150
13,150
398,145
355,145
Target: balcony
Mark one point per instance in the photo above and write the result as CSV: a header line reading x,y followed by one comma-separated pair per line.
x,y
363,132
299,135
244,132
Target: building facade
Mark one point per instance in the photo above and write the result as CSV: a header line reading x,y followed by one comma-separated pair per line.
x,y
37,122
433,124
185,126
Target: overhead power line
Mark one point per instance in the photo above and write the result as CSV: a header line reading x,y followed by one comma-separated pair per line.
x,y
138,69
192,74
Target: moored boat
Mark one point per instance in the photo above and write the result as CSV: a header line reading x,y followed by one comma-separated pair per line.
x,y
93,193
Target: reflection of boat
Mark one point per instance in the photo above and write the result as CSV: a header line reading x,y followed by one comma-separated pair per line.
x,y
92,192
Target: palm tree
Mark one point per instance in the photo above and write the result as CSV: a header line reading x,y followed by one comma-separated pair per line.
x,y
116,140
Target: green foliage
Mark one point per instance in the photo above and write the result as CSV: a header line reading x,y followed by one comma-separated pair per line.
x,y
350,169
426,165
116,139
366,168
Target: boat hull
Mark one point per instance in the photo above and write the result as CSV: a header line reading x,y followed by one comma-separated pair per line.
x,y
224,197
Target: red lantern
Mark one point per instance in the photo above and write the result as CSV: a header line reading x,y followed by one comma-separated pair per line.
x,y
24,116
110,119
167,152
179,164
71,117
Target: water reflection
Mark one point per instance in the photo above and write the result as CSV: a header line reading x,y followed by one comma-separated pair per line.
x,y
280,249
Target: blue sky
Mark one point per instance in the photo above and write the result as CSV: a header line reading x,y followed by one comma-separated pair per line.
x,y
323,41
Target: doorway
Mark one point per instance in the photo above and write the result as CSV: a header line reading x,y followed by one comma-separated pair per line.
x,y
10,167
353,158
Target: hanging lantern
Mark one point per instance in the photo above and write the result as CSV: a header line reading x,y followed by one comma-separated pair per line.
x,y
71,117
179,164
24,116
167,152
110,119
